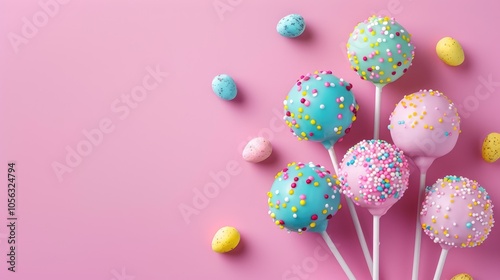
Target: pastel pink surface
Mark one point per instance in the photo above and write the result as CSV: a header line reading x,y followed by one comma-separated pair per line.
x,y
117,212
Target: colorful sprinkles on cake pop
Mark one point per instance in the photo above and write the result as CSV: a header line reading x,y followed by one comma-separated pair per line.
x,y
320,107
457,212
381,169
425,125
303,197
418,115
380,50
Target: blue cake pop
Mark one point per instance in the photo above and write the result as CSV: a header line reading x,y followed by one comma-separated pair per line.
x,y
380,50
320,107
304,197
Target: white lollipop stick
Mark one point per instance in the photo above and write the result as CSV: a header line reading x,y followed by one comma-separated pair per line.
x,y
378,99
376,247
418,230
354,216
442,259
337,255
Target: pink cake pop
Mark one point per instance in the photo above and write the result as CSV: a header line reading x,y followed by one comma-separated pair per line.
x,y
425,125
374,174
457,213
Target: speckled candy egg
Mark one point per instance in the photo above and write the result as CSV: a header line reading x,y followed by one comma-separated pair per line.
x,y
225,239
320,107
303,197
374,174
425,125
380,50
450,51
491,147
224,86
257,150
462,276
457,212
291,26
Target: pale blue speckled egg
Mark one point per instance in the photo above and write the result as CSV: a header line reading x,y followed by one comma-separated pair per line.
x,y
224,86
291,26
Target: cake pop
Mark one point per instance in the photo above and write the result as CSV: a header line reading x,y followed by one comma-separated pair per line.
x,y
320,107
374,174
380,51
303,198
457,213
425,125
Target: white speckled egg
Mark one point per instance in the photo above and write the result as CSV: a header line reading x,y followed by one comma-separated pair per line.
x,y
291,26
450,51
224,86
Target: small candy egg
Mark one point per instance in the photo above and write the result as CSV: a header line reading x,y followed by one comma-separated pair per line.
x,y
450,51
257,150
291,26
462,276
491,147
225,239
224,86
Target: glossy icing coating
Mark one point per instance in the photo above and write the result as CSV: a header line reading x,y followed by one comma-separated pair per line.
x,y
425,125
320,107
374,174
303,197
457,212
380,50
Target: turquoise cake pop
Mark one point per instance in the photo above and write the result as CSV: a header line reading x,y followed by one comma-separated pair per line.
x,y
303,197
320,107
380,51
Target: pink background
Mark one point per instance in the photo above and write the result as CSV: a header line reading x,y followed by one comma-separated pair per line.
x,y
116,214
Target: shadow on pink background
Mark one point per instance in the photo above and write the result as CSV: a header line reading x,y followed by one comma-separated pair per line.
x,y
112,211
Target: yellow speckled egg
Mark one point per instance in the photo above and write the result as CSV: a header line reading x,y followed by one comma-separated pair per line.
x,y
450,51
225,239
491,147
462,276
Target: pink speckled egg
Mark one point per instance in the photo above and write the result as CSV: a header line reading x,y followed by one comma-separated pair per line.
x,y
257,150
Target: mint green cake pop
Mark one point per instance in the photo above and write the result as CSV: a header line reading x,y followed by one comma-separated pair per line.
x,y
304,197
321,108
380,50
